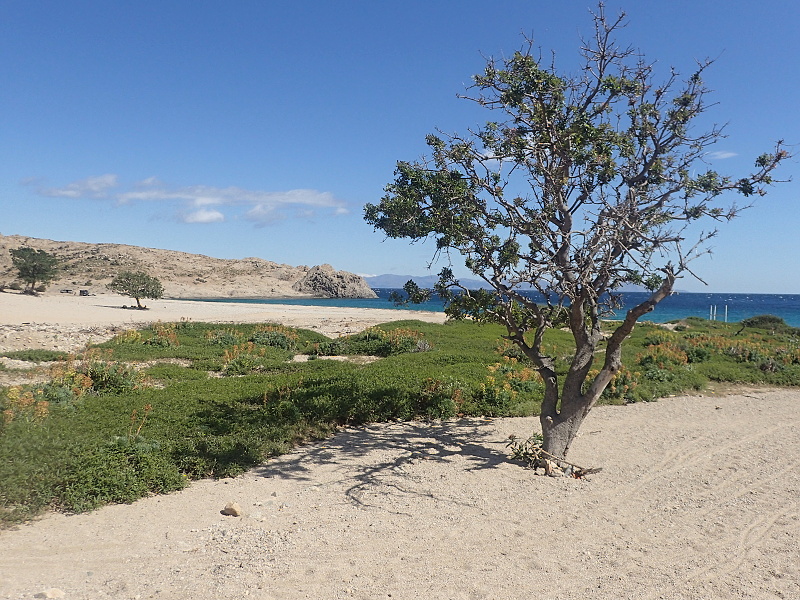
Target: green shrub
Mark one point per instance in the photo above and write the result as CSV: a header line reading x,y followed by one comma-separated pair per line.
x,y
112,378
58,393
65,443
224,337
663,355
697,354
331,348
121,472
659,375
164,335
37,355
248,358
770,323
277,339
242,365
764,322
375,341
506,383
623,387
73,378
184,324
659,337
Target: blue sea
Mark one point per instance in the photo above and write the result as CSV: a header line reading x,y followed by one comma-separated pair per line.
x,y
730,307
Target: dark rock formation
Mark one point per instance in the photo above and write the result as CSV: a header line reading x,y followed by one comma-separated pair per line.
x,y
326,282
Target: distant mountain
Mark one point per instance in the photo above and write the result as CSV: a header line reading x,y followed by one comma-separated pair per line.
x,y
389,280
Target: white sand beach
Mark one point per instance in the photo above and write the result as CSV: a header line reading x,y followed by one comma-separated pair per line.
x,y
67,322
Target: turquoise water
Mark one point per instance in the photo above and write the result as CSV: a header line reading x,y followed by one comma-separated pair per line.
x,y
678,306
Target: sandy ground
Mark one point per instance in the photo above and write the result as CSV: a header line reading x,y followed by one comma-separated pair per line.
x,y
68,322
698,499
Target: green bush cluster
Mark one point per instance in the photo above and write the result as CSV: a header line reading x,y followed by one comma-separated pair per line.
x,y
37,355
759,350
112,377
374,341
249,358
276,336
72,379
56,450
771,323
224,337
118,472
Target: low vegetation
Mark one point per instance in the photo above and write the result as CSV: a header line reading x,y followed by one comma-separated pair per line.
x,y
136,285
150,410
34,266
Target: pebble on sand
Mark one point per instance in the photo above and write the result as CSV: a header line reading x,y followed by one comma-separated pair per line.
x,y
232,509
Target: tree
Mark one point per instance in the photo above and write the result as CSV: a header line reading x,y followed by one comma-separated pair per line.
x,y
136,285
34,266
615,185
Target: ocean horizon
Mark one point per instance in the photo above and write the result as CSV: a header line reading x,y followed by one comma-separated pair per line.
x,y
716,306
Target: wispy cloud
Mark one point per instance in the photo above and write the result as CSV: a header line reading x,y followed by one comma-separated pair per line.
x,y
721,155
204,215
91,187
207,204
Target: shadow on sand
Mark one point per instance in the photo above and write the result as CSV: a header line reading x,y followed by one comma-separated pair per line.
x,y
369,455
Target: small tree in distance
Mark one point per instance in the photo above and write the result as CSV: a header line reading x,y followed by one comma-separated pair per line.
x,y
137,285
34,266
581,185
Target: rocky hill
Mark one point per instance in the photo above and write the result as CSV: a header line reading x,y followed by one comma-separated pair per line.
x,y
92,266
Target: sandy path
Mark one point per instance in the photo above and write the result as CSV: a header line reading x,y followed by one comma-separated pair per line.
x,y
698,499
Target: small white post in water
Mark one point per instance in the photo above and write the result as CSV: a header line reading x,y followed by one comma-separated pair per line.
x,y
726,313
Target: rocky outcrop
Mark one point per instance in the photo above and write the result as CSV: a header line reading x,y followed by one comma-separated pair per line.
x,y
183,275
324,281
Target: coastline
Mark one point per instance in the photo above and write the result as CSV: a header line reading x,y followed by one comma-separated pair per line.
x,y
729,307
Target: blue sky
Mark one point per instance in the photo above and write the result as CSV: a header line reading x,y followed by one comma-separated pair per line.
x,y
253,128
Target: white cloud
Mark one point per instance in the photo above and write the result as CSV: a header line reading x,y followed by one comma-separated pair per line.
x,y
203,215
91,187
261,206
721,155
149,182
262,213
193,204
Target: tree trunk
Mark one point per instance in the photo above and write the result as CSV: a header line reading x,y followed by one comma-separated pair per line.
x,y
559,431
138,304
